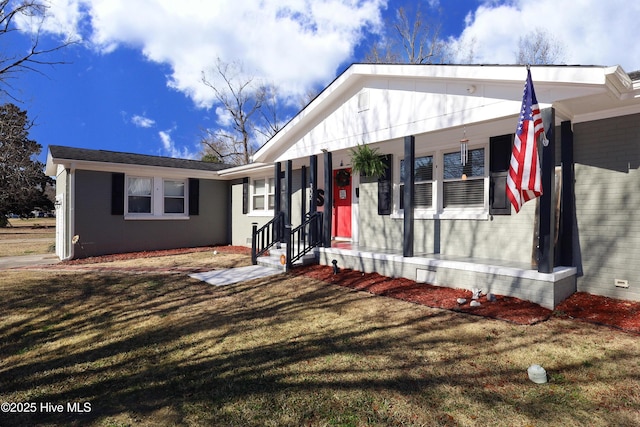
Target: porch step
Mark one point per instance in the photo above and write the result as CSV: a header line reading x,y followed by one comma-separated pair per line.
x,y
273,260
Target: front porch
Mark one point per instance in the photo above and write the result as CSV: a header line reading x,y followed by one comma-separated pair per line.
x,y
499,277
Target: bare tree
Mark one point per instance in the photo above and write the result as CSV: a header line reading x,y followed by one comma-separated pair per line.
x,y
241,100
270,113
35,56
252,110
414,40
462,52
539,47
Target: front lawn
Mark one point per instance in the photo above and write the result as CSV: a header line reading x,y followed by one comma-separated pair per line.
x,y
163,349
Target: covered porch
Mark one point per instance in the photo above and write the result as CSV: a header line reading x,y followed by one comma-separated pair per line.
x,y
439,214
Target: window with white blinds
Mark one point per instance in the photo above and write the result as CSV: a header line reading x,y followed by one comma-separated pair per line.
x,y
463,186
423,182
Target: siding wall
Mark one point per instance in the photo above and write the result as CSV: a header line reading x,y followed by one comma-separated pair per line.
x,y
102,233
508,238
607,186
241,224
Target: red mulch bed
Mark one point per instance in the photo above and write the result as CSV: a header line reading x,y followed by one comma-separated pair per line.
x,y
620,314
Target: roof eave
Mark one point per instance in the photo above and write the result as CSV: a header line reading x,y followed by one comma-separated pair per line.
x,y
613,78
52,163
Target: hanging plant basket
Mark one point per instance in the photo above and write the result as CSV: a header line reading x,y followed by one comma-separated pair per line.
x,y
367,161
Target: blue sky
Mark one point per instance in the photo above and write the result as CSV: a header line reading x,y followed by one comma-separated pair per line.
x,y
134,82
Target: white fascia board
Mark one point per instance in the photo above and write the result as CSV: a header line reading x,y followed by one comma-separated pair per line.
x,y
244,170
606,114
138,170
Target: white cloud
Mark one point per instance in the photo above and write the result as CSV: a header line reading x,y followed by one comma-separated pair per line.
x,y
224,117
142,121
592,32
170,149
292,43
63,17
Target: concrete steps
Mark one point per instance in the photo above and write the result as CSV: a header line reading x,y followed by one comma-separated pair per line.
x,y
274,258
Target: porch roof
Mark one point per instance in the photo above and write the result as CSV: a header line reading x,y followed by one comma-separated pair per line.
x,y
371,103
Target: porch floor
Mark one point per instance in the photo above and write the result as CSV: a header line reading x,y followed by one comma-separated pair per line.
x,y
500,277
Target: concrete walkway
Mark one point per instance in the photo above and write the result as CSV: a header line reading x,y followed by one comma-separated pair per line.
x,y
28,261
229,276
221,277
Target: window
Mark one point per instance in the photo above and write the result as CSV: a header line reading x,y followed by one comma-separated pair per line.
x,y
174,197
139,196
500,157
443,187
263,196
423,182
463,186
156,198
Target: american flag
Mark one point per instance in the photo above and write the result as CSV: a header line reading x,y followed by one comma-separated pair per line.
x,y
524,180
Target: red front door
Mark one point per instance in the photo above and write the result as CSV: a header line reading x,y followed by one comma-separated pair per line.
x,y
341,226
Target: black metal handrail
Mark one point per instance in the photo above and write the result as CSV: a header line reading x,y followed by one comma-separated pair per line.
x,y
265,237
302,239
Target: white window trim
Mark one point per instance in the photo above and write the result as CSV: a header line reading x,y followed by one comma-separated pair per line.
x,y
185,210
438,211
270,190
157,200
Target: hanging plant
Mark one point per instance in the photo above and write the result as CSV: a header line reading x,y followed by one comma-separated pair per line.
x,y
367,161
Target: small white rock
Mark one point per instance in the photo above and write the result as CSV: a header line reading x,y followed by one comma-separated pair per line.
x,y
475,303
491,297
537,374
215,252
461,300
476,292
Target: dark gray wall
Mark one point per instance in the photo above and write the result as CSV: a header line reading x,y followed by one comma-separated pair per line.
x,y
102,233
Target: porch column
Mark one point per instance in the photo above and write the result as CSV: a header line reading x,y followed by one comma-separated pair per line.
x,y
546,225
313,186
568,203
328,199
288,180
277,203
313,183
409,172
303,191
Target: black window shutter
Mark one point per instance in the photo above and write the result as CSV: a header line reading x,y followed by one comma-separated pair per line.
x,y
499,158
245,195
194,196
385,193
117,194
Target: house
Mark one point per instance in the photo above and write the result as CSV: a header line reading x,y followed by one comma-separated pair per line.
x,y
109,202
439,214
